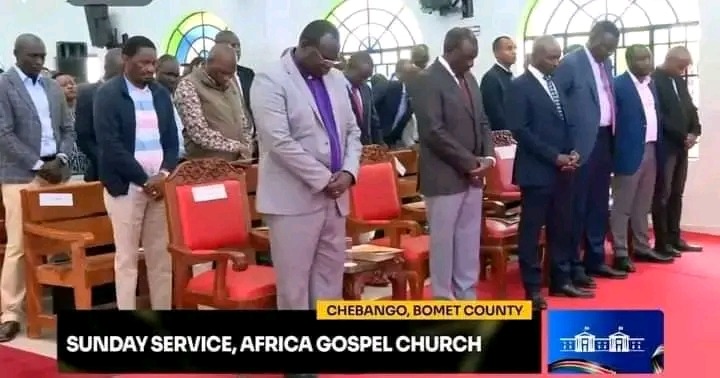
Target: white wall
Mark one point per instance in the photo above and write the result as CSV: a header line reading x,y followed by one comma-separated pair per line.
x,y
266,27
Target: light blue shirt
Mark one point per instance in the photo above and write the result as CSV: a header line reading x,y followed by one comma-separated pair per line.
x,y
48,145
181,142
402,108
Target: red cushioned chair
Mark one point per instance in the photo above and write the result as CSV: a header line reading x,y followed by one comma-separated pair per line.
x,y
499,185
209,221
375,205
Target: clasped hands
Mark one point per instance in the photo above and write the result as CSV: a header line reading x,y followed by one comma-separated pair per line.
x,y
568,162
477,174
339,183
54,171
155,187
690,141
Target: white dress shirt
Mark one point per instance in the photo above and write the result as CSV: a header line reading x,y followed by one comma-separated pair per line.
x,y
648,103
541,78
48,145
604,96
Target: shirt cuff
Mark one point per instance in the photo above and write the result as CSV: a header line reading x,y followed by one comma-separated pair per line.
x,y
38,165
165,172
492,160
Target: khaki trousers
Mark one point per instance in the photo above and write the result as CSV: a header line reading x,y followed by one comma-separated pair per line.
x,y
12,278
138,220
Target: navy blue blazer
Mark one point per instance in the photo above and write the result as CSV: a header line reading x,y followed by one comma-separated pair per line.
x,y
574,78
539,129
114,123
630,125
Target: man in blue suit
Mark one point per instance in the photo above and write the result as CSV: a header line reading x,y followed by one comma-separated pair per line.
x,y
638,129
544,171
584,77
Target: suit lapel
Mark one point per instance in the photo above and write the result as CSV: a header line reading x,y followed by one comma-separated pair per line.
x,y
20,87
472,88
452,85
334,93
300,83
543,94
630,84
590,74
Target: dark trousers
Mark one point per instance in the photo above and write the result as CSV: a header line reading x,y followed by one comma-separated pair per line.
x,y
548,206
667,203
591,207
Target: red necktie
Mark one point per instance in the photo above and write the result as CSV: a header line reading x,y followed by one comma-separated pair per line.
x,y
355,94
465,91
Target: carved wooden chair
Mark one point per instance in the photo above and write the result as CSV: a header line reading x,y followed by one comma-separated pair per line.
x,y
375,205
499,185
408,182
209,221
60,219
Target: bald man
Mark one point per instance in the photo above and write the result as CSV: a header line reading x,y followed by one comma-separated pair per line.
x,y
36,137
244,75
681,129
86,141
209,102
420,56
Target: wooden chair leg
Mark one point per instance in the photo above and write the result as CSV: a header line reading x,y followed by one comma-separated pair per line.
x,y
483,267
83,297
499,271
34,308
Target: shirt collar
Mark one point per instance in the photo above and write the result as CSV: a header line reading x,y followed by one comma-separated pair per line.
x,y
445,64
590,56
24,77
503,67
637,81
538,75
132,86
306,75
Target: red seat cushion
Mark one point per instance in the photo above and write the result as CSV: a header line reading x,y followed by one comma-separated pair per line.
x,y
414,247
375,195
253,283
215,223
498,229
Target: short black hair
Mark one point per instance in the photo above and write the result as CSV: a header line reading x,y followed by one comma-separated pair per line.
x,y
496,42
605,26
455,37
632,50
316,30
1,70
165,58
58,74
360,57
135,43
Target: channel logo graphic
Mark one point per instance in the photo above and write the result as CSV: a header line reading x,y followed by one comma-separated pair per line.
x,y
606,342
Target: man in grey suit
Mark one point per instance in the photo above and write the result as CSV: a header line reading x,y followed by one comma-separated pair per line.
x,y
36,136
455,152
309,156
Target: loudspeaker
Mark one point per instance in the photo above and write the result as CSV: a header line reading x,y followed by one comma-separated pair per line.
x,y
102,33
72,59
468,10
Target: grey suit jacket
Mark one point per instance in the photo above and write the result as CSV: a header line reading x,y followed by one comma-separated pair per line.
x,y
452,134
294,145
20,127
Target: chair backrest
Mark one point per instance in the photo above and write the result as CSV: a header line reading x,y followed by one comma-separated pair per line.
x,y
375,195
500,177
207,205
408,183
75,207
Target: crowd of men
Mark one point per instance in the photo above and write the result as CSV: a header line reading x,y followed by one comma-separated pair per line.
x,y
306,117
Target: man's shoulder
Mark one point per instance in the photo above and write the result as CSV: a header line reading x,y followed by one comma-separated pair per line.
x,y
273,71
242,70
110,86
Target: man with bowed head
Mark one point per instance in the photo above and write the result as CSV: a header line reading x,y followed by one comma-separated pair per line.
x,y
309,157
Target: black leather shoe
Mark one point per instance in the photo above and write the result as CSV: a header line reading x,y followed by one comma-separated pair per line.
x,y
683,246
8,331
653,257
584,281
571,292
670,251
604,271
538,302
623,264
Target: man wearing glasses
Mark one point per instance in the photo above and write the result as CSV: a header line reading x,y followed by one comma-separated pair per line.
x,y
309,156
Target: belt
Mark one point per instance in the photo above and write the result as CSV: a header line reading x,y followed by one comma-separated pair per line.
x,y
653,142
48,158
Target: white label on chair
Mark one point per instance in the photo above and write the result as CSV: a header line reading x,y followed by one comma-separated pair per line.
x,y
506,152
207,193
56,199
399,167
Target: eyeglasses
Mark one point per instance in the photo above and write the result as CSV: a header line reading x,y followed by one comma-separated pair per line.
x,y
326,61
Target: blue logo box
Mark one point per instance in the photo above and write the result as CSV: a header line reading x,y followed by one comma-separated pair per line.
x,y
606,341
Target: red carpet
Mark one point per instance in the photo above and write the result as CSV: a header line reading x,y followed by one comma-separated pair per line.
x,y
687,291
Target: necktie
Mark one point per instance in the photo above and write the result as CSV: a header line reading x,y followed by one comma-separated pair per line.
x,y
554,95
357,101
608,91
465,91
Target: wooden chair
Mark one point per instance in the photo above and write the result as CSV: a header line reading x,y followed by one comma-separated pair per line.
x,y
375,205
498,241
61,219
408,183
499,185
209,221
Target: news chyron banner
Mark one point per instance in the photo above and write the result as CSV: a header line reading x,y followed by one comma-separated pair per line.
x,y
606,342
343,337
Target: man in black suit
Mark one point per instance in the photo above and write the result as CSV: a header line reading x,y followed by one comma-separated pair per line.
x,y
681,129
358,70
495,82
86,141
392,102
544,171
456,150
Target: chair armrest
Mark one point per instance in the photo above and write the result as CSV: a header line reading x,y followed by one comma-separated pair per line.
x,y
58,235
414,213
260,240
395,225
494,208
219,256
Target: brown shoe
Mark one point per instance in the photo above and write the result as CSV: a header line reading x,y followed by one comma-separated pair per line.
x,y
8,331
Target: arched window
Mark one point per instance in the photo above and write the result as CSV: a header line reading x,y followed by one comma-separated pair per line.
x,y
387,29
658,24
194,36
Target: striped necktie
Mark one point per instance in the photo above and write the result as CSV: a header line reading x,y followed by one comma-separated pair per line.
x,y
554,95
